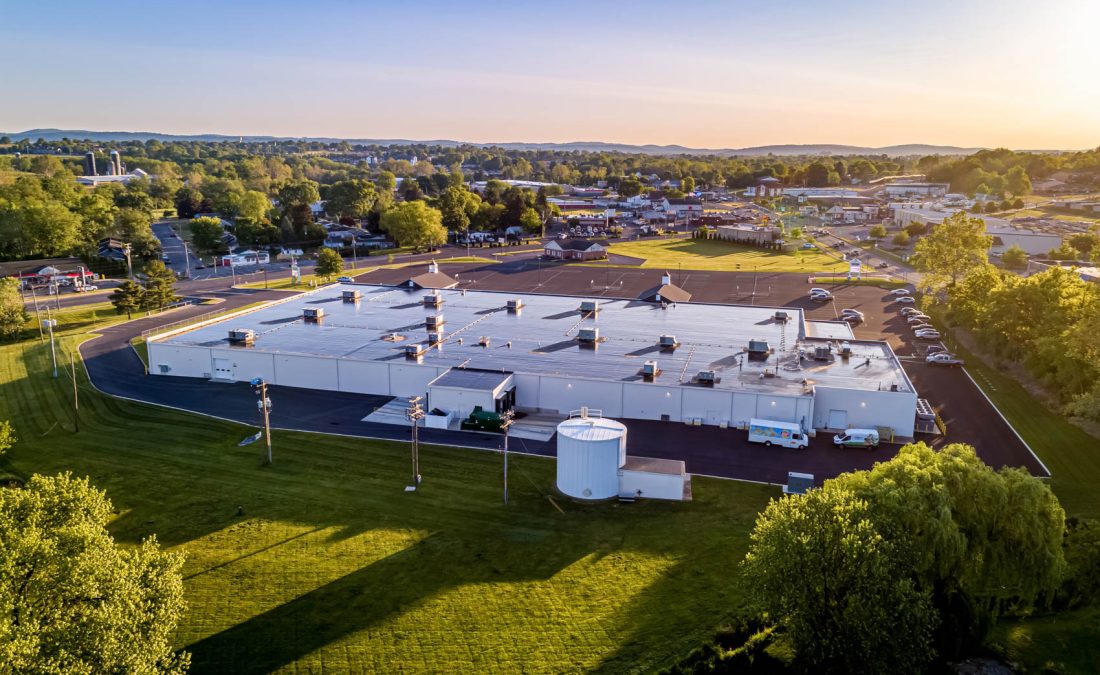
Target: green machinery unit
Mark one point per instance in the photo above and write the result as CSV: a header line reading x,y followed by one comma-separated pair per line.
x,y
482,420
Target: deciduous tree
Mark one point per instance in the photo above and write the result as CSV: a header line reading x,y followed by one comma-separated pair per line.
x,y
71,600
415,224
207,234
1014,257
953,248
13,315
329,264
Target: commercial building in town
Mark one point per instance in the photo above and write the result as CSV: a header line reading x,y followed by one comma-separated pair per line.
x,y
916,190
1005,234
575,249
678,362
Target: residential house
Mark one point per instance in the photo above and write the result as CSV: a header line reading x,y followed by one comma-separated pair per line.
x,y
575,249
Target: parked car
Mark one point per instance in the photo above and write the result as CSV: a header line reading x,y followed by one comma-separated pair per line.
x,y
86,288
851,313
857,438
916,317
922,326
906,300
346,280
882,265
200,266
943,359
808,246
899,291
936,349
927,334
909,311
820,295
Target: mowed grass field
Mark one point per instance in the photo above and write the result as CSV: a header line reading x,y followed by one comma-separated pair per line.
x,y
711,254
322,562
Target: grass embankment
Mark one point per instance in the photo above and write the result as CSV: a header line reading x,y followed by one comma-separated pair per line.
x,y
322,562
715,255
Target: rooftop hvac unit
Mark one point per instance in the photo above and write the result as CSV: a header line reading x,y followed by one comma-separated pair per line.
x,y
845,349
823,353
435,337
434,322
242,336
759,348
782,317
924,410
668,342
706,378
313,313
590,306
650,370
414,351
433,300
589,335
515,304
350,296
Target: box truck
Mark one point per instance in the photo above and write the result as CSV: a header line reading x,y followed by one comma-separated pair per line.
x,y
770,432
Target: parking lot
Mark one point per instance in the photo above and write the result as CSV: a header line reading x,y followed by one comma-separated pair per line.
x,y
969,417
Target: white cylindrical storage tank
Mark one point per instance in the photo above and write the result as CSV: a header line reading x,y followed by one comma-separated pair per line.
x,y
590,452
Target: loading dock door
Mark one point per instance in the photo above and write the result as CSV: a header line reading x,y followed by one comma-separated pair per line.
x,y
223,369
838,419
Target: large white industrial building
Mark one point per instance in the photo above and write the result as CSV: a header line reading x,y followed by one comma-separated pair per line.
x,y
684,362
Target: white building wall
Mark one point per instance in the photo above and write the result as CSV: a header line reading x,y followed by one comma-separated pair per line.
x,y
651,485
651,402
311,372
564,394
779,408
527,391
744,408
364,377
180,361
247,364
868,409
714,406
411,379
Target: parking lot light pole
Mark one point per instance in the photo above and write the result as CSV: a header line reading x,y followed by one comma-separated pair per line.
x,y
264,405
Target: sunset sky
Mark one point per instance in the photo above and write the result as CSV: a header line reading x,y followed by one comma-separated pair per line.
x,y
704,74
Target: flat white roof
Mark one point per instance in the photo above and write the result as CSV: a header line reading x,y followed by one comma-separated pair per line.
x,y
542,338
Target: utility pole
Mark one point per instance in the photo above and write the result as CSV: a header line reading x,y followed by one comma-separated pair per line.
x,y
264,270
76,399
506,420
50,323
186,261
233,269
264,406
414,412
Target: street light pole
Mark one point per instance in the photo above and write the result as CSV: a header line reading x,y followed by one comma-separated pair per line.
x,y
506,420
37,314
264,405
76,399
129,263
50,323
186,261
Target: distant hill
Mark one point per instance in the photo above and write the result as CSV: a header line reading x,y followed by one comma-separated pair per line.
x,y
54,135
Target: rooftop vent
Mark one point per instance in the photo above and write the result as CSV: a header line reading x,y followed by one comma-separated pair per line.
x,y
589,336
668,342
313,313
759,348
435,337
845,349
590,306
433,300
350,296
483,340
242,336
414,351
650,371
433,322
706,378
781,316
515,304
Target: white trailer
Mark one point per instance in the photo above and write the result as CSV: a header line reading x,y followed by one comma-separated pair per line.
x,y
771,432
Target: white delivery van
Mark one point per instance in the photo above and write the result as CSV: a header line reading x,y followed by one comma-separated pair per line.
x,y
770,432
856,438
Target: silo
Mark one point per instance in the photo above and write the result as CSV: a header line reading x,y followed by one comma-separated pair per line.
x,y
590,452
116,163
89,164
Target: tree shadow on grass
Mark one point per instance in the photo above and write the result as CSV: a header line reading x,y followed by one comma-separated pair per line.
x,y
360,600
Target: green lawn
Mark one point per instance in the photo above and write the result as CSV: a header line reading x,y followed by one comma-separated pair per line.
x,y
712,254
329,565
